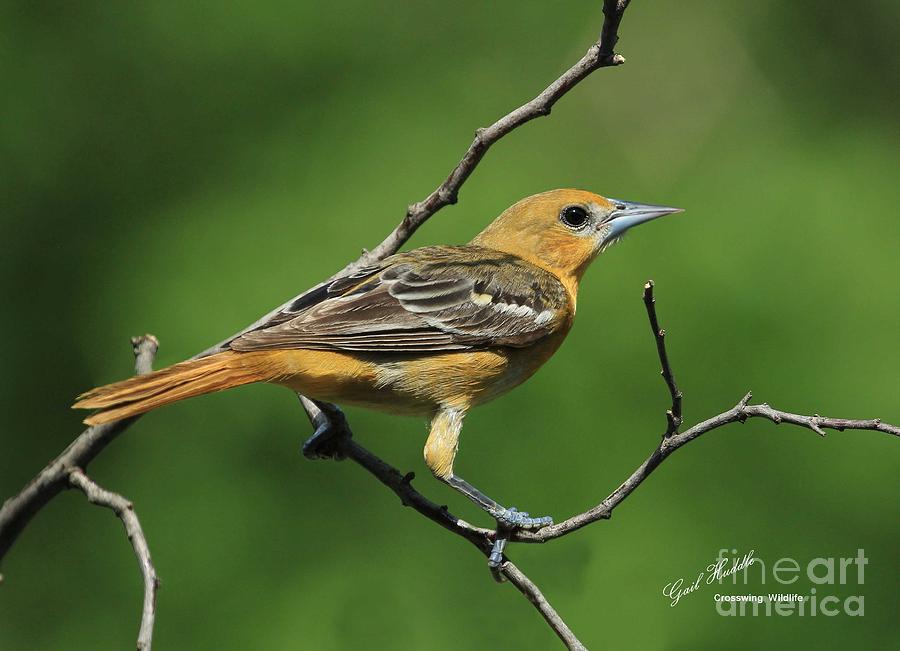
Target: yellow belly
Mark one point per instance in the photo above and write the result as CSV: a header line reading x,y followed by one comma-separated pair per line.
x,y
415,385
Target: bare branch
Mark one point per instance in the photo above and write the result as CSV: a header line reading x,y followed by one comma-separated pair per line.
x,y
531,592
673,415
66,471
18,510
609,35
737,414
323,414
483,538
125,512
389,476
599,55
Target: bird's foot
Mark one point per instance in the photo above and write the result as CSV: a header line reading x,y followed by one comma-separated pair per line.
x,y
331,433
507,520
512,518
495,558
323,444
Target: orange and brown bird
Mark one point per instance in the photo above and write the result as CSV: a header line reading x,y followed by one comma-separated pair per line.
x,y
430,332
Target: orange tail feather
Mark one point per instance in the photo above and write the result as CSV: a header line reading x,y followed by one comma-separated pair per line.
x,y
142,393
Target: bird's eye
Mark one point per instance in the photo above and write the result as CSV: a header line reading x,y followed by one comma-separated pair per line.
x,y
574,217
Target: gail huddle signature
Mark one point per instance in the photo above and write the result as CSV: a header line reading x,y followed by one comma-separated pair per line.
x,y
714,572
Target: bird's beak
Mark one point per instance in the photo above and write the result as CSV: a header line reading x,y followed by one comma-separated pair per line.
x,y
628,214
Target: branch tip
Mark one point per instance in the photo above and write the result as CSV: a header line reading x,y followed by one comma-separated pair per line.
x,y
814,426
673,415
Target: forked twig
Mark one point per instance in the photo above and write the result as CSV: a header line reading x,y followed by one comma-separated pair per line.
x,y
67,471
483,538
124,510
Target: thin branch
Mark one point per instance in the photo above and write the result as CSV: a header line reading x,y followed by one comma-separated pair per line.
x,y
609,35
531,592
18,510
66,471
482,538
673,415
737,414
388,475
323,414
599,55
124,509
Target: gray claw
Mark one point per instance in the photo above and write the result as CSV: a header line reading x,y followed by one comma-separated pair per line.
x,y
515,519
323,443
496,557
331,430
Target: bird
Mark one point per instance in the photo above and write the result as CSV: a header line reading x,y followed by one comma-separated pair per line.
x,y
433,331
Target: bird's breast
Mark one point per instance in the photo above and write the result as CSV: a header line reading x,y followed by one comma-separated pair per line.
x,y
467,378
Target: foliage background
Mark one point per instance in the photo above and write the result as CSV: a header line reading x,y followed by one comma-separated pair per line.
x,y
180,168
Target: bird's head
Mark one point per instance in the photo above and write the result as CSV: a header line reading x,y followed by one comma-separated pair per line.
x,y
562,231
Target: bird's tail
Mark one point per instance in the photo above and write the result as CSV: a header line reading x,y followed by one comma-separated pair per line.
x,y
142,393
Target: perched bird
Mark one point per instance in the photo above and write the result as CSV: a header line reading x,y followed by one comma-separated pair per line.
x,y
431,332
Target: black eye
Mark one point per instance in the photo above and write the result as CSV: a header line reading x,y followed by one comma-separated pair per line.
x,y
574,216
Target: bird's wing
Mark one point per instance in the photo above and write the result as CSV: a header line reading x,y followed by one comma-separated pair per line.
x,y
431,299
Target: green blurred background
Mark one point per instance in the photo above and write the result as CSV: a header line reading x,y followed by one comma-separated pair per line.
x,y
181,168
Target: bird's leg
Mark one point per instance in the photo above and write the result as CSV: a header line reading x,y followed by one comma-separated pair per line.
x,y
440,451
331,429
509,517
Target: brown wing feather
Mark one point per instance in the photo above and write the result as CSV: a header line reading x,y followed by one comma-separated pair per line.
x,y
431,299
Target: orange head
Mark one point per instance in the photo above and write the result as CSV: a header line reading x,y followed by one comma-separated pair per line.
x,y
562,231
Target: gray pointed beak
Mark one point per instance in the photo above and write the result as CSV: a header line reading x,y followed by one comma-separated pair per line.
x,y
628,214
